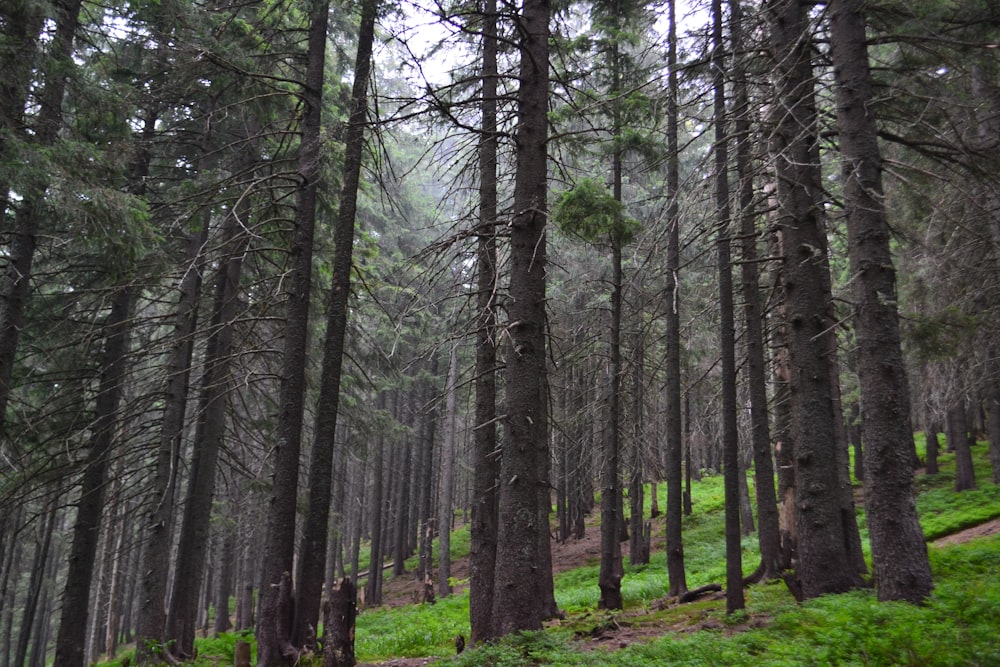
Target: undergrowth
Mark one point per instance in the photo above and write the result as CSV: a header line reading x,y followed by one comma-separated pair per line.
x,y
957,626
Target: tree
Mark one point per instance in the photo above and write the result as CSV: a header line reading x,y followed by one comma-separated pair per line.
x,y
768,536
825,561
486,465
28,214
517,603
72,625
672,321
275,618
313,546
727,336
899,555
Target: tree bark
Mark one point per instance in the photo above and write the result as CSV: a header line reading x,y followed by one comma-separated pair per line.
x,y
73,618
38,571
958,442
445,510
768,536
516,603
193,545
486,463
899,554
825,563
15,282
727,336
674,435
339,614
274,641
312,546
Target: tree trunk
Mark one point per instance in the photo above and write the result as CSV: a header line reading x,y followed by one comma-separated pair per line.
x,y
899,554
768,536
674,435
73,617
15,283
958,442
373,596
339,614
445,511
825,562
516,603
993,417
34,592
486,463
727,337
611,571
274,645
193,545
227,567
312,547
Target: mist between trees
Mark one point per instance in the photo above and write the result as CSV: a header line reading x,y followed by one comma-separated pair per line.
x,y
286,296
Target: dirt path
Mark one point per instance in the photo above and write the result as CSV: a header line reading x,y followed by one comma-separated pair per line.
x,y
991,527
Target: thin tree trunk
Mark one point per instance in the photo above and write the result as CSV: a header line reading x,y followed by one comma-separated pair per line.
x,y
611,571
958,442
274,640
73,617
227,567
768,537
34,592
727,338
372,597
194,533
486,464
445,511
312,547
15,282
674,436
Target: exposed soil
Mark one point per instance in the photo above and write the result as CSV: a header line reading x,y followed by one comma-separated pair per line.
x,y
991,527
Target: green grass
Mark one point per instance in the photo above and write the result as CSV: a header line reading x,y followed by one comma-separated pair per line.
x,y
957,626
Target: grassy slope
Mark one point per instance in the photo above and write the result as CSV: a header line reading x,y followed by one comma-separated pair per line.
x,y
958,626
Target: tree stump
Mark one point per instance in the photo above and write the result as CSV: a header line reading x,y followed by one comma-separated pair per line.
x,y
339,614
241,654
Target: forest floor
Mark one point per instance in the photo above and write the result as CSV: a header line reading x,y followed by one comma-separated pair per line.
x,y
626,628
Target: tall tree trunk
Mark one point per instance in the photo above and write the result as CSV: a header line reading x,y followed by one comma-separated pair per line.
x,y
899,554
38,571
516,603
486,463
768,537
727,337
15,282
274,640
192,550
674,436
611,571
825,558
445,511
155,530
314,535
73,617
